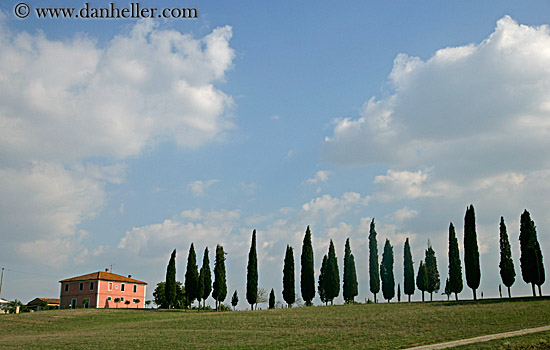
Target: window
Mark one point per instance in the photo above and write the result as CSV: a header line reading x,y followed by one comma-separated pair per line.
x,y
109,299
86,303
122,287
116,286
135,301
110,285
121,299
135,288
91,285
66,287
81,285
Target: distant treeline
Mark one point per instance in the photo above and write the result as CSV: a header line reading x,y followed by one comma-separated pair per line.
x,y
199,285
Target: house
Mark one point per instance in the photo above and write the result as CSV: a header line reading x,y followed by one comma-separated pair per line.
x,y
38,304
100,289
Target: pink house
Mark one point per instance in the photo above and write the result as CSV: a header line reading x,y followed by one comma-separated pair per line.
x,y
100,289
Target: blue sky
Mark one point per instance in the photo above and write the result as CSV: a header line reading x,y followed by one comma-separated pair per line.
x,y
122,139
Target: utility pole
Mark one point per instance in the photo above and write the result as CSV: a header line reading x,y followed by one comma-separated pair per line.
x,y
1,280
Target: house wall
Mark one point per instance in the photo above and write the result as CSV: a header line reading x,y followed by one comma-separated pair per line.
x,y
114,290
99,296
74,292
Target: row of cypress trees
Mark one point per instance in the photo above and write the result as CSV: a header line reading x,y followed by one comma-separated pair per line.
x,y
198,284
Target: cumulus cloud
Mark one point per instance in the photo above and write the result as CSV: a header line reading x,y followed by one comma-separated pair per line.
x,y
198,187
465,111
63,100
66,103
468,125
320,177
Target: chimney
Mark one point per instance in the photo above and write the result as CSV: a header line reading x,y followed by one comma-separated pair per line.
x,y
106,270
129,276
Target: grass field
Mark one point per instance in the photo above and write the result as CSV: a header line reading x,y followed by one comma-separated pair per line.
x,y
372,326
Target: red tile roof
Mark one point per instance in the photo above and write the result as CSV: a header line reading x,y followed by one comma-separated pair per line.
x,y
48,300
105,276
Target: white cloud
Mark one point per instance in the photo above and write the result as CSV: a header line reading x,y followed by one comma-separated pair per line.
x,y
403,214
62,100
471,124
320,177
465,111
44,204
65,104
198,187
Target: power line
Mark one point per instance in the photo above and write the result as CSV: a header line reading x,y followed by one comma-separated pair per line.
x,y
31,273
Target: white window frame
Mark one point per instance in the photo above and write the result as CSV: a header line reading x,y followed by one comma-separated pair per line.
x,y
135,288
81,286
122,287
86,306
110,286
66,287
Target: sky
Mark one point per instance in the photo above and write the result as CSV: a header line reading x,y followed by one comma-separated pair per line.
x,y
123,139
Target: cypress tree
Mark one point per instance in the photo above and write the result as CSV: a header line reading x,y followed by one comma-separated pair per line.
x,y
289,294
408,270
192,276
350,275
272,299
431,270
321,285
200,287
170,287
471,251
386,272
234,300
219,290
507,271
448,291
373,262
307,274
332,275
422,279
252,274
205,278
455,267
541,276
532,268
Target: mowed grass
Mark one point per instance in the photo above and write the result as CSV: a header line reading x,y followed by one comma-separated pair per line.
x,y
372,326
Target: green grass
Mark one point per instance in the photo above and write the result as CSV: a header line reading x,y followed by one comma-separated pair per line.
x,y
536,341
373,326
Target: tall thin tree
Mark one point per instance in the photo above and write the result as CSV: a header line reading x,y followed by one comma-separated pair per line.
x,y
252,274
506,265
205,277
431,269
307,273
386,272
374,269
332,275
234,299
408,270
272,299
170,287
321,285
192,276
471,251
455,266
350,276
219,288
422,279
289,291
532,268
